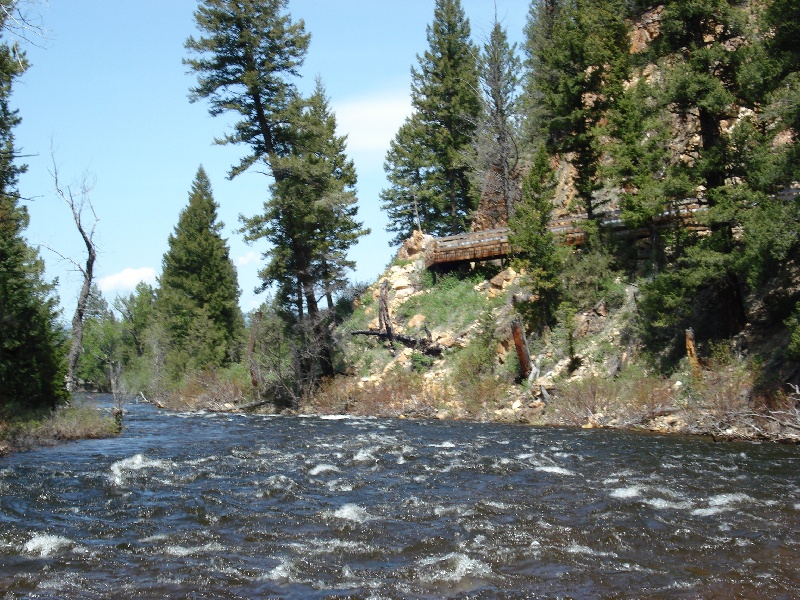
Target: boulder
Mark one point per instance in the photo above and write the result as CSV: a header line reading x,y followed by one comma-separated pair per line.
x,y
416,321
414,247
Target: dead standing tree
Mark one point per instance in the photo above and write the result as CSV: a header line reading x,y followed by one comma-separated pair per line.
x,y
78,203
385,331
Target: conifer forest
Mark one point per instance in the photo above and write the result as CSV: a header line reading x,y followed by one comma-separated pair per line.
x,y
640,158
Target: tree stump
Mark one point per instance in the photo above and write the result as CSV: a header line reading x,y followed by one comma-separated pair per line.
x,y
521,345
691,352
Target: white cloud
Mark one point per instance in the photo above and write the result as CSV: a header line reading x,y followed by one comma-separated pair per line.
x,y
127,279
247,259
371,122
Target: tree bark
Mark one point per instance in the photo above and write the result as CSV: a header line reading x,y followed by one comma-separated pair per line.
x,y
384,320
255,378
521,345
77,205
691,353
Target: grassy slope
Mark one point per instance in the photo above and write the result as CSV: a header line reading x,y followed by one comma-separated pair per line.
x,y
609,383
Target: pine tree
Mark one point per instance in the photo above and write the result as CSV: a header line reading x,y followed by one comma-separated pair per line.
x,y
533,244
643,166
409,202
32,342
101,343
136,312
444,93
537,75
718,77
198,295
577,72
246,60
497,149
310,220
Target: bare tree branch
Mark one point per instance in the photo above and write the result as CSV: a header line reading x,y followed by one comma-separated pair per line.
x,y
79,203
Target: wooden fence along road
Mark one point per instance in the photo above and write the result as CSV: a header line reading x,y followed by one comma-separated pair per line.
x,y
493,243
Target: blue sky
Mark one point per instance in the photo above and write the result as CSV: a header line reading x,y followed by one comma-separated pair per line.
x,y
107,91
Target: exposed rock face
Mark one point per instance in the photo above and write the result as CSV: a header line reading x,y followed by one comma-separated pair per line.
x,y
414,247
645,29
492,211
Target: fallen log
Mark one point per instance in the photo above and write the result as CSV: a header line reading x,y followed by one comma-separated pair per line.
x,y
252,405
424,345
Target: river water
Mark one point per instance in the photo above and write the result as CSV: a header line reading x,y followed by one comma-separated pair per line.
x,y
232,506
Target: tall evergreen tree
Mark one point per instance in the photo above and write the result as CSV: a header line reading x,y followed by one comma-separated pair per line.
x,y
446,97
578,72
409,202
198,294
497,149
537,74
246,59
310,220
533,244
100,354
136,313
32,343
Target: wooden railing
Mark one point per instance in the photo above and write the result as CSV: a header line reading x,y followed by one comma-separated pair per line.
x,y
493,243
479,245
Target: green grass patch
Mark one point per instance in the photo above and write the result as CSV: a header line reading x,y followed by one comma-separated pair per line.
x,y
451,304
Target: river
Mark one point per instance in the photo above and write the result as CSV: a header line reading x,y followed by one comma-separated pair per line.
x,y
233,506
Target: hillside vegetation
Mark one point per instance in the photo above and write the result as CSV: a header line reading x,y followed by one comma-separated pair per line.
x,y
643,156
593,371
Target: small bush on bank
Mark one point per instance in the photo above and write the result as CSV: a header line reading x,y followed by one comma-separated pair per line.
x,y
399,392
76,421
219,389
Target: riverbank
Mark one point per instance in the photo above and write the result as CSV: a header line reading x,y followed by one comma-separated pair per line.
x,y
716,406
82,419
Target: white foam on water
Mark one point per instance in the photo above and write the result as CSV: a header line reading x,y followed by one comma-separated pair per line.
x,y
721,503
283,572
662,504
323,468
447,444
334,546
279,483
336,417
339,485
707,512
137,462
627,492
797,506
352,512
554,470
452,567
365,455
579,549
459,510
728,499
44,545
497,505
182,551
154,538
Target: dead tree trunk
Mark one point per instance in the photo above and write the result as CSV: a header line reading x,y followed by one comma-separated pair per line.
x,y
384,321
521,345
77,204
691,353
385,332
255,375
